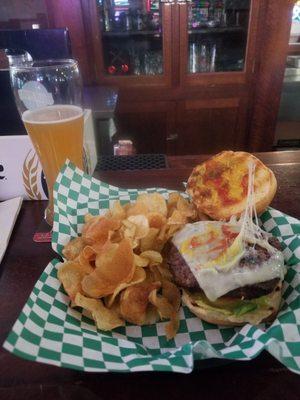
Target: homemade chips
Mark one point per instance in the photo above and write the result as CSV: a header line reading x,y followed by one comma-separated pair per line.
x,y
115,269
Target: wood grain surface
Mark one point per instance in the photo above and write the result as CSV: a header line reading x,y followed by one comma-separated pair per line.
x,y
261,379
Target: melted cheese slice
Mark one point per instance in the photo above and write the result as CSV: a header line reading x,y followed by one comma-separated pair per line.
x,y
213,250
217,271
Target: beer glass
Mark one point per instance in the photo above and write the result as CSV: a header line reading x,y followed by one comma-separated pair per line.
x,y
48,96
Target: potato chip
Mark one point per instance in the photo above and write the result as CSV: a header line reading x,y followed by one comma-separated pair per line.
x,y
171,293
154,202
105,318
84,262
140,261
134,302
153,256
106,253
134,243
73,248
172,327
114,266
149,242
138,277
89,253
156,220
172,229
116,236
165,272
173,199
96,230
141,225
163,235
136,209
166,311
117,211
128,229
152,315
164,307
70,274
177,218
88,217
186,208
155,274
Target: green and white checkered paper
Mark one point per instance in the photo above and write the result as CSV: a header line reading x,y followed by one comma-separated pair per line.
x,y
49,331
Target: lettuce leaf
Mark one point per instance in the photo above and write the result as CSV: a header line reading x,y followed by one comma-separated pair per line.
x,y
244,308
233,307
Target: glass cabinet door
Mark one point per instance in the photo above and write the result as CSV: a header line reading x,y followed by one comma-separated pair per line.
x,y
217,35
132,37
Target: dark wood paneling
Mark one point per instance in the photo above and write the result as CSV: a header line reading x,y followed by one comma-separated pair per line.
x,y
149,125
68,13
210,125
274,33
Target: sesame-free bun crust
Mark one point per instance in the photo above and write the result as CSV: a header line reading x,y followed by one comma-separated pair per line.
x,y
218,186
254,317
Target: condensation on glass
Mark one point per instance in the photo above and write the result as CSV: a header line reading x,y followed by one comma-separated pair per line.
x,y
131,36
217,35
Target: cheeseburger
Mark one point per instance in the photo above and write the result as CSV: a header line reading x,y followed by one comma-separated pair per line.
x,y
231,272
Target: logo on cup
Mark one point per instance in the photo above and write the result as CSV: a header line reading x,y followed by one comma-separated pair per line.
x,y
30,176
34,95
2,171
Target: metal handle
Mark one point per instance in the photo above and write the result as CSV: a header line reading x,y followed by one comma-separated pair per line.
x,y
172,137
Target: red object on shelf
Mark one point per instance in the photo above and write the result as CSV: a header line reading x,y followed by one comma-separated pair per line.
x,y
112,69
125,68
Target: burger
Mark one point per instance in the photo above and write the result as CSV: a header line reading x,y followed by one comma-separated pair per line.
x,y
230,271
226,280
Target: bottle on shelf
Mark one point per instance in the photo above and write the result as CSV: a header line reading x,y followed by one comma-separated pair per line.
x,y
213,53
218,12
108,21
128,21
204,9
203,59
211,10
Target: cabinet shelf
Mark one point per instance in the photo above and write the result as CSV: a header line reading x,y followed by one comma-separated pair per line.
x,y
218,29
127,34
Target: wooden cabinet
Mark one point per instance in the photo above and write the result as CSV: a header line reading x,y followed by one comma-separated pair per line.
x,y
216,80
212,125
150,125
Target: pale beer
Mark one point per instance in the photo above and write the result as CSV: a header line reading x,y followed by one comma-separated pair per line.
x,y
57,134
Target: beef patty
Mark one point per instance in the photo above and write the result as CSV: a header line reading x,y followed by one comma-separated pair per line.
x,y
185,278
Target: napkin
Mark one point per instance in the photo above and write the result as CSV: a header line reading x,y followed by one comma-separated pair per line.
x,y
9,211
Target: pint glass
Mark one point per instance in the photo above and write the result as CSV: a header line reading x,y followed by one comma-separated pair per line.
x,y
48,96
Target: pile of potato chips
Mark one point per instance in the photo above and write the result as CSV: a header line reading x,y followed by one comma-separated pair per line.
x,y
115,269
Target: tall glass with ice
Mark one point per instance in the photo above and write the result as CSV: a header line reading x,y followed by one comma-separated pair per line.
x,y
48,96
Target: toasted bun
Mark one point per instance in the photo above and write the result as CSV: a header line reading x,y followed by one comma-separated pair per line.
x,y
253,317
218,186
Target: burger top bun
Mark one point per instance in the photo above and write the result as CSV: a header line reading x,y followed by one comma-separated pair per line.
x,y
219,186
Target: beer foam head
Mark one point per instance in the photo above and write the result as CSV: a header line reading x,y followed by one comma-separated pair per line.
x,y
52,114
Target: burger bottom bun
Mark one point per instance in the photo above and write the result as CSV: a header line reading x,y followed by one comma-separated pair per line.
x,y
254,317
